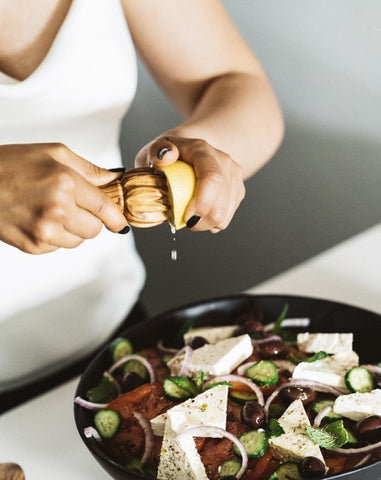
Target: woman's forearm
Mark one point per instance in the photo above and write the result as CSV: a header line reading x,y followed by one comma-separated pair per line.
x,y
237,113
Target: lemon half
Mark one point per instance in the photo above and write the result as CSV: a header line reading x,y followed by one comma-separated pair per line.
x,y
181,181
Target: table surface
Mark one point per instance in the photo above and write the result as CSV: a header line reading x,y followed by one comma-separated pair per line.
x,y
41,435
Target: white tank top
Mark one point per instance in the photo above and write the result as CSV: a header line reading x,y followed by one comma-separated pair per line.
x,y
59,306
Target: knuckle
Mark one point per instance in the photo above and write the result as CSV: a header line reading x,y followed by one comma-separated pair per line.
x,y
218,216
63,181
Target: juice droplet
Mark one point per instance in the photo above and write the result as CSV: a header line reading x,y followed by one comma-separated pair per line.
x,y
174,250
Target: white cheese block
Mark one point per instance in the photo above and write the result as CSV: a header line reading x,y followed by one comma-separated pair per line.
x,y
330,370
357,406
219,359
179,460
294,444
207,408
211,334
327,342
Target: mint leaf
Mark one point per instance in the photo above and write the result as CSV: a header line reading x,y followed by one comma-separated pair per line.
x,y
317,356
332,435
274,428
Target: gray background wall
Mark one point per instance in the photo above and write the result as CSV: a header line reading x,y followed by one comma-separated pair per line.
x,y
324,60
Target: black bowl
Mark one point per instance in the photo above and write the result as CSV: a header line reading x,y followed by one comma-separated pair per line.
x,y
326,316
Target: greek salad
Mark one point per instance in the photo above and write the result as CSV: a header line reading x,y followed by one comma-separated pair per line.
x,y
248,401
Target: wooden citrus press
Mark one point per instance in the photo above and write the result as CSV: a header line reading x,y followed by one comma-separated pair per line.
x,y
149,196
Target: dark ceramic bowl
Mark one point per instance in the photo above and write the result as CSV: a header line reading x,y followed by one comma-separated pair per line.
x,y
326,316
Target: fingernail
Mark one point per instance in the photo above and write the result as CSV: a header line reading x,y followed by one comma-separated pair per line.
x,y
192,221
124,230
117,170
163,151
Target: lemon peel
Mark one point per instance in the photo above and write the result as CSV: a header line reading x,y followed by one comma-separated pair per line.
x,y
181,181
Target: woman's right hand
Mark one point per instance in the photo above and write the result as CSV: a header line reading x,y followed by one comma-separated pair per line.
x,y
49,198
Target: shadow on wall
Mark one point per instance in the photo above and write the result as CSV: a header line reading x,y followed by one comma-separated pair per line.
x,y
319,189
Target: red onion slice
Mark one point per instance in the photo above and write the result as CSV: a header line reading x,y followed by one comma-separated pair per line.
x,y
373,447
318,386
91,432
241,370
261,341
373,368
363,460
111,378
290,322
319,417
89,405
148,436
209,430
238,378
166,350
141,359
186,362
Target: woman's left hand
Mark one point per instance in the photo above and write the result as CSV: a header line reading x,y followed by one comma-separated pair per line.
x,y
219,188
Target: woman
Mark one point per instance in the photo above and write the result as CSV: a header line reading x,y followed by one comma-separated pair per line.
x,y
67,76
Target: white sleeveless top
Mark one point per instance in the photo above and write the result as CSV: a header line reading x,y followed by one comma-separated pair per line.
x,y
59,306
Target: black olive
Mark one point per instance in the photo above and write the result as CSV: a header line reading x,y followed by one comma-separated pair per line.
x,y
130,381
311,467
369,429
228,477
305,394
253,414
197,342
250,322
273,349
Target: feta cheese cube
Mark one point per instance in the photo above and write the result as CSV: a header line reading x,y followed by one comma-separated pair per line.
x,y
328,342
294,444
219,359
211,334
207,408
357,406
179,460
330,370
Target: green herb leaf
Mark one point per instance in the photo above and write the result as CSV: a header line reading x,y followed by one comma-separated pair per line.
x,y
318,356
332,435
274,428
104,392
278,324
199,379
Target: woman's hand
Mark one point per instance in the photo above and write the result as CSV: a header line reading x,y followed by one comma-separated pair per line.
x,y
49,198
219,188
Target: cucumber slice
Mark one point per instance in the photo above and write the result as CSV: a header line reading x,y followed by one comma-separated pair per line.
x,y
136,367
179,388
263,372
240,396
229,467
321,405
286,471
255,443
107,422
120,347
359,379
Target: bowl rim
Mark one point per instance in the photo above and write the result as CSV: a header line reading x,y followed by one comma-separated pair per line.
x,y
94,446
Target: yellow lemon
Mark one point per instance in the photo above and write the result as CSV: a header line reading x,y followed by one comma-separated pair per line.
x,y
181,182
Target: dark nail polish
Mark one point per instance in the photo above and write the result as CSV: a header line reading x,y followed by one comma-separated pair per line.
x,y
163,151
124,230
192,221
117,170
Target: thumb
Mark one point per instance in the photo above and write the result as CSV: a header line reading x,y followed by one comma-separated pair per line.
x,y
160,152
91,172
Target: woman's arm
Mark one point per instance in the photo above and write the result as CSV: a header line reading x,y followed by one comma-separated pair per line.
x,y
204,66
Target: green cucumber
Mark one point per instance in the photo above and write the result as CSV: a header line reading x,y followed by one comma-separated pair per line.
x,y
286,471
107,422
136,367
255,443
229,467
179,388
321,405
359,379
120,347
263,372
